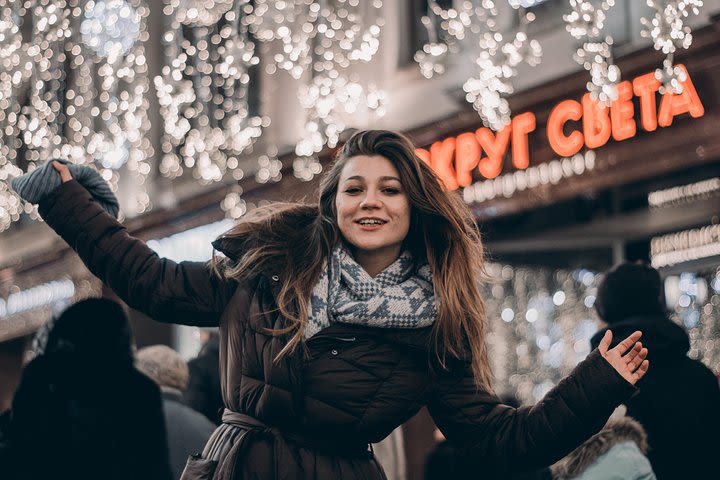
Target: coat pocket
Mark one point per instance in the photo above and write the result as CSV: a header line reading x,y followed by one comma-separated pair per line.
x,y
198,468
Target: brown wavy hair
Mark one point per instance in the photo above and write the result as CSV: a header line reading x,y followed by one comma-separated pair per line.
x,y
442,232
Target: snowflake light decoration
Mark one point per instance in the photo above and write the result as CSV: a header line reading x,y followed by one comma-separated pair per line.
x,y
668,32
585,22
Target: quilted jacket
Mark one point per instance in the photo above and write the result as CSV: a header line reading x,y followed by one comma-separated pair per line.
x,y
313,414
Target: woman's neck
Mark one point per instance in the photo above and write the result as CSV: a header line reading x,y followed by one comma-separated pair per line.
x,y
375,261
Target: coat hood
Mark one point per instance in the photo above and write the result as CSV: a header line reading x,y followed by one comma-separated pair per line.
x,y
662,337
616,431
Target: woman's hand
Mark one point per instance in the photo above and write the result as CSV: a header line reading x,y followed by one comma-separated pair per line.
x,y
63,170
628,357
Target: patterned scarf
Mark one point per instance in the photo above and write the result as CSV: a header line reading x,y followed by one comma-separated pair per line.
x,y
401,296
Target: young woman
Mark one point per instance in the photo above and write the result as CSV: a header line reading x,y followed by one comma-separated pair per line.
x,y
340,320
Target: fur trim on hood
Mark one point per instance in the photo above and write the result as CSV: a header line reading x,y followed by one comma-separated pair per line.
x,y
616,431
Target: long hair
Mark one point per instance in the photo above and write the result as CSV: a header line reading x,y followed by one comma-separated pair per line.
x,y
442,232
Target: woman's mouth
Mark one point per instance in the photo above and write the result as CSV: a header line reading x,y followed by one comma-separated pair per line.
x,y
370,223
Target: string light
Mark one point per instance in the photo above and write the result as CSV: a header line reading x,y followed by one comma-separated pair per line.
x,y
203,91
329,102
200,12
685,193
585,22
693,299
668,32
76,90
497,58
37,297
110,28
548,173
544,328
269,167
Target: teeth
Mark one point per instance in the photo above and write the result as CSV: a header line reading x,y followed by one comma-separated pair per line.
x,y
371,222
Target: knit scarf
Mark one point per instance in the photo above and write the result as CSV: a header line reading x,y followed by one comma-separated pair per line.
x,y
401,296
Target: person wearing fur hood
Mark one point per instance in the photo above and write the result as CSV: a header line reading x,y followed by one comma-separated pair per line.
x,y
617,452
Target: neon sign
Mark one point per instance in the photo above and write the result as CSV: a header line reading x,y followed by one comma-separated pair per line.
x,y
456,158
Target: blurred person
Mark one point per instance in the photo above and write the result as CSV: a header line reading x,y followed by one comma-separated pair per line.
x,y
187,430
617,452
204,392
82,411
13,344
339,320
678,401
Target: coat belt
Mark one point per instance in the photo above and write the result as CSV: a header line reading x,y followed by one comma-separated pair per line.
x,y
281,442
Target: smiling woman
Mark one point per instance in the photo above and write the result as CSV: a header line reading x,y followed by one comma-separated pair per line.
x,y
341,319
373,211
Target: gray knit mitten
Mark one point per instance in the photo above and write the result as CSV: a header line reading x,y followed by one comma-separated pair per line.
x,y
33,186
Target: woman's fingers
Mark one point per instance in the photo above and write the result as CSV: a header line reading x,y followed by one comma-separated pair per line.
x,y
638,359
642,370
633,352
628,343
605,342
63,170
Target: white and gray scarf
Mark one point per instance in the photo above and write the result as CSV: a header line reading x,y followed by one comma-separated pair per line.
x,y
401,296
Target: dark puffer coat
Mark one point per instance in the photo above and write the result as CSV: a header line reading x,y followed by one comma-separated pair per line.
x,y
313,416
678,402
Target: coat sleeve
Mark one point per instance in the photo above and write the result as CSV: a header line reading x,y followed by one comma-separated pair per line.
x,y
506,440
184,293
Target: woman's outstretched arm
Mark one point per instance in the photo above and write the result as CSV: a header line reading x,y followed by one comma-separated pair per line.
x,y
502,439
187,293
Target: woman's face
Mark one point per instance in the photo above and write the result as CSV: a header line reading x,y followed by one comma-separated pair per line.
x,y
373,209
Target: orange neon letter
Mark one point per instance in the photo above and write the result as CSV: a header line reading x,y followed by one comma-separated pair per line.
x,y
672,105
564,111
441,157
495,146
522,125
596,122
467,156
645,87
621,113
423,155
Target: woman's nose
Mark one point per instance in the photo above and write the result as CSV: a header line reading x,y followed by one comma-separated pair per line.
x,y
370,200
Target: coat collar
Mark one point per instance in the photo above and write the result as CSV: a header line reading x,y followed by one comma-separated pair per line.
x,y
616,431
233,248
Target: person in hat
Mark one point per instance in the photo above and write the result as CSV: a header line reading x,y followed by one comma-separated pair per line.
x,y
618,451
204,392
82,410
340,319
187,429
678,401
14,340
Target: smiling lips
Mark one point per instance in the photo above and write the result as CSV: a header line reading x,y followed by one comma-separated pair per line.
x,y
370,223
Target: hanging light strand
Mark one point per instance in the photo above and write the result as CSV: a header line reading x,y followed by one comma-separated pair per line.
x,y
497,61
585,22
668,31
204,90
75,90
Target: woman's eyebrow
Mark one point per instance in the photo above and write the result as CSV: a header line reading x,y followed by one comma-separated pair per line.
x,y
389,178
382,179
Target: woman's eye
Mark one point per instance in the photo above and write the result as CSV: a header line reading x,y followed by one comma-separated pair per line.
x,y
392,191
352,190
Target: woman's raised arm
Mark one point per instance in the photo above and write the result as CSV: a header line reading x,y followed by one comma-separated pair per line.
x,y
502,439
186,293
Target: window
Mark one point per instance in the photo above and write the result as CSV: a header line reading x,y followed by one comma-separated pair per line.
x,y
416,34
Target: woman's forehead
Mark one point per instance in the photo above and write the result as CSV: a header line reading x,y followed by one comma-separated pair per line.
x,y
369,168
